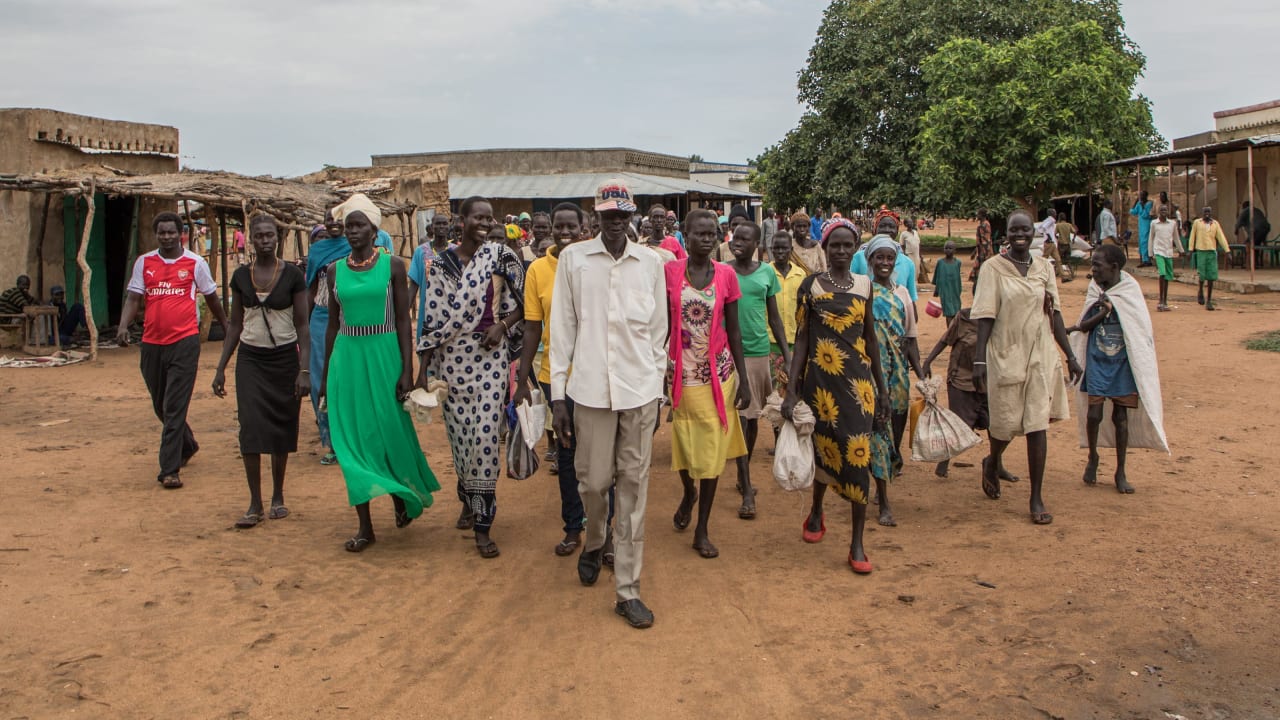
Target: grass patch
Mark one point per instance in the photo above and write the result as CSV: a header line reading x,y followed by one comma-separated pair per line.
x,y
1268,342
937,241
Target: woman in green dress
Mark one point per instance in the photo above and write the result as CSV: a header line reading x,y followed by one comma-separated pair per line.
x,y
946,282
835,368
369,371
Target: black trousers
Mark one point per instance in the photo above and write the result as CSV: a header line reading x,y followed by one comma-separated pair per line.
x,y
170,374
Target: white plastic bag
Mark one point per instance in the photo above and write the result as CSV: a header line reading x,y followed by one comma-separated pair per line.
x,y
522,459
420,403
940,434
793,456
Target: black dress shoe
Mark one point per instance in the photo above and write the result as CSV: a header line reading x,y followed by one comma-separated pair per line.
x,y
589,565
636,614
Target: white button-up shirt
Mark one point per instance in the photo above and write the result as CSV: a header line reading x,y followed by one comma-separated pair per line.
x,y
609,322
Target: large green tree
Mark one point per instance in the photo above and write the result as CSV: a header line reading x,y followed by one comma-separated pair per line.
x,y
865,92
1028,118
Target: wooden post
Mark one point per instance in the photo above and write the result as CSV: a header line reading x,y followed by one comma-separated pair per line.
x,y
222,246
87,273
191,226
1248,227
133,239
44,225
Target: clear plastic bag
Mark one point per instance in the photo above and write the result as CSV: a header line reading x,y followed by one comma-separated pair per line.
x,y
793,456
522,459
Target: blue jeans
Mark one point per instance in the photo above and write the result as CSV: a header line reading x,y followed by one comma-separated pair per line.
x,y
319,326
571,510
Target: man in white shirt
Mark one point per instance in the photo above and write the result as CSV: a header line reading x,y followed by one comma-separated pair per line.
x,y
909,239
1164,242
608,321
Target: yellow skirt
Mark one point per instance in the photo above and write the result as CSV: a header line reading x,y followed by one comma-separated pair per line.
x,y
699,443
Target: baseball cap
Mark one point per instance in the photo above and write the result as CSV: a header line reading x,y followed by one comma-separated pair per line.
x,y
614,195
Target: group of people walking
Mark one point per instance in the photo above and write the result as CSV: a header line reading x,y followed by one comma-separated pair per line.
x,y
611,327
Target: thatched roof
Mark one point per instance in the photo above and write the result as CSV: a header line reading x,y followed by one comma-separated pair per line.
x,y
294,203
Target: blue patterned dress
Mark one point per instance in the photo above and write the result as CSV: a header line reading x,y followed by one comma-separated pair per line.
x,y
459,309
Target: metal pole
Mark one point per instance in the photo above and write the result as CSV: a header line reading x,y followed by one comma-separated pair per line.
x,y
1249,220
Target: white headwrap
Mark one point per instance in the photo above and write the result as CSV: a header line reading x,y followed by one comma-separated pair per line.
x,y
880,242
358,202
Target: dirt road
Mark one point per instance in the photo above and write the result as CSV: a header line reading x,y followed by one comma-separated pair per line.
x,y
120,599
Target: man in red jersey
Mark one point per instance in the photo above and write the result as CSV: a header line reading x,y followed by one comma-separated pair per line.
x,y
169,278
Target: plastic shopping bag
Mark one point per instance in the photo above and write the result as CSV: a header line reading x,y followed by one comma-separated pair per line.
x,y
940,434
522,459
421,403
793,456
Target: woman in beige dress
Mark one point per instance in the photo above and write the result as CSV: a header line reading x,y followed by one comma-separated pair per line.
x,y
1016,364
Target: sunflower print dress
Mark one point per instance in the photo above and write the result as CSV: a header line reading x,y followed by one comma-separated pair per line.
x,y
838,386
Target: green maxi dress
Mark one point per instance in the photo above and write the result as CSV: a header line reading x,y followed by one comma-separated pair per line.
x,y
373,437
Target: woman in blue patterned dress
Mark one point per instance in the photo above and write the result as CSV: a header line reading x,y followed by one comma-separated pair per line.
x,y
471,329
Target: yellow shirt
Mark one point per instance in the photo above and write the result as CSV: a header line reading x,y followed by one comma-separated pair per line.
x,y
539,280
1207,237
787,300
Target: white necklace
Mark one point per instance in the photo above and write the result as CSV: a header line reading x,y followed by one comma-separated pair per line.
x,y
827,276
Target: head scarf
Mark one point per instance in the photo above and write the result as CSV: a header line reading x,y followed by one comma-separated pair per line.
x,y
880,242
316,232
525,216
885,212
800,216
723,220
834,224
358,202
514,232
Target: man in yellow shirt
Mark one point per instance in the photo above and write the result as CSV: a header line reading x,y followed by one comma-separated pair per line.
x,y
539,280
1206,239
790,276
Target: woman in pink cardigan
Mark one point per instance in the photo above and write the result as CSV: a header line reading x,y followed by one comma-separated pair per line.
x,y
706,355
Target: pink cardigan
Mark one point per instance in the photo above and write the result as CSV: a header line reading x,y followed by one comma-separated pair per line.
x,y
672,245
726,284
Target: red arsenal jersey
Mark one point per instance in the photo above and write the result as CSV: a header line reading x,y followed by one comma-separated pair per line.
x,y
169,288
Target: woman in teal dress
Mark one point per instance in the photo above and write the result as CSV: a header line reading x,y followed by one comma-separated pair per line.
x,y
946,282
895,321
368,373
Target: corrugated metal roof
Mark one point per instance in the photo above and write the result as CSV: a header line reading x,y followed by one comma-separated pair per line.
x,y
1198,152
579,185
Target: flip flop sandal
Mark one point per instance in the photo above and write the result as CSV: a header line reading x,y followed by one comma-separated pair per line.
x,y
278,512
748,509
358,544
565,548
171,482
681,522
249,520
707,552
329,459
990,487
466,520
1041,518
403,519
489,550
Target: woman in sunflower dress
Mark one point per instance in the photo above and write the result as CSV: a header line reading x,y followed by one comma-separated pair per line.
x,y
895,326
835,368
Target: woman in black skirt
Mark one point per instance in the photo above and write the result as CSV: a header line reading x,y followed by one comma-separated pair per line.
x,y
268,323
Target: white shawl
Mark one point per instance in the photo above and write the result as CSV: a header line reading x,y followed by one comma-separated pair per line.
x,y
1146,426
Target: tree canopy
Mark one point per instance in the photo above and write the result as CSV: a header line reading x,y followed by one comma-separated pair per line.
x,y
865,92
1027,118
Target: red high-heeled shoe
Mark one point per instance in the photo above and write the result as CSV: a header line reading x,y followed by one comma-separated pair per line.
x,y
862,567
814,537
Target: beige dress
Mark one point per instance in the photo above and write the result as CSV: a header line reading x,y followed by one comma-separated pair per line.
x,y
1025,385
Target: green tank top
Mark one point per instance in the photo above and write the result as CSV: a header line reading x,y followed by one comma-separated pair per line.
x,y
365,298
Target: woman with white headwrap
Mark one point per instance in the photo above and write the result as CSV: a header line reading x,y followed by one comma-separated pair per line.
x,y
369,370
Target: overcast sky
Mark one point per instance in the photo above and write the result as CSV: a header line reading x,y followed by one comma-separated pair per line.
x,y
286,86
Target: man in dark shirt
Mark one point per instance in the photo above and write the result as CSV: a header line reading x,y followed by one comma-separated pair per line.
x,y
15,298
1261,226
